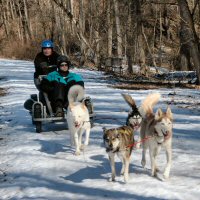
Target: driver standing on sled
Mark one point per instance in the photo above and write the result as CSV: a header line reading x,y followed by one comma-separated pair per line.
x,y
45,61
58,83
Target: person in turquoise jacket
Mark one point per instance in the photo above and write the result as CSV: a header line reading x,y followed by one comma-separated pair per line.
x,y
57,84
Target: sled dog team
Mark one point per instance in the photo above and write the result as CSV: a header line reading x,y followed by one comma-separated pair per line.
x,y
155,132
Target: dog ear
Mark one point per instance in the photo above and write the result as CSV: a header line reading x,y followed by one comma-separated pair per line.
x,y
129,100
158,114
104,129
169,113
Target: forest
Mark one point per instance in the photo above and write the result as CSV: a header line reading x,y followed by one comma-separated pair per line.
x,y
160,33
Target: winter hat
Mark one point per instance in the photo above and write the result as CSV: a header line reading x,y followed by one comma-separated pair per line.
x,y
63,59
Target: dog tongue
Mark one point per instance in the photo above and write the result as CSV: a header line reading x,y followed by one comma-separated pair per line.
x,y
77,125
166,133
136,127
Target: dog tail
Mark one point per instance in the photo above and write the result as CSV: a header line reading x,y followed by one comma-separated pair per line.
x,y
146,108
76,93
129,100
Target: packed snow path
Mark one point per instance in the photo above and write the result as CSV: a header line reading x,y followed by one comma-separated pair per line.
x,y
42,166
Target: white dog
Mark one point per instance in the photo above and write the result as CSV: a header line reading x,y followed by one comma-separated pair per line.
x,y
156,132
78,122
78,119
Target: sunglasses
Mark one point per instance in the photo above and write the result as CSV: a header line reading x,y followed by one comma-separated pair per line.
x,y
64,64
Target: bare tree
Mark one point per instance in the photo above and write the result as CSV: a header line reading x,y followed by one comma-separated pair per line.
x,y
118,28
110,28
188,35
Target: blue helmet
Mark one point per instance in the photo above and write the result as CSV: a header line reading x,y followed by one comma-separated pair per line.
x,y
47,44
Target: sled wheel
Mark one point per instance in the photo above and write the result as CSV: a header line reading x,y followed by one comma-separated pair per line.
x,y
38,126
33,122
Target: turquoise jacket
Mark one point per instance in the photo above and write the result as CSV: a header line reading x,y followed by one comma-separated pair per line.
x,y
55,76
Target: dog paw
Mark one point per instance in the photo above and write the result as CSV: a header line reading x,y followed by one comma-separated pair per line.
x,y
165,176
77,153
154,174
82,147
126,179
111,179
157,169
86,143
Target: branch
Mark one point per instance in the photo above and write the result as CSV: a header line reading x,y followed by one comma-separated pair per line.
x,y
195,6
77,25
1,24
170,2
153,59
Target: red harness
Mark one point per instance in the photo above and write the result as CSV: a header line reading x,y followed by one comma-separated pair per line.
x,y
141,141
146,138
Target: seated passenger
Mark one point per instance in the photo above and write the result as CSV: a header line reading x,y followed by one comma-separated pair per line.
x,y
57,84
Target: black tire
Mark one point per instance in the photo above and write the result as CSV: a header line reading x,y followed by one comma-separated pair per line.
x,y
28,104
33,122
38,126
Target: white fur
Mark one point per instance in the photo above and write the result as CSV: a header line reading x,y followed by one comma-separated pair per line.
x,y
161,123
148,103
78,122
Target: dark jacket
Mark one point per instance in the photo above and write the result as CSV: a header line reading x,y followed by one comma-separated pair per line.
x,y
49,60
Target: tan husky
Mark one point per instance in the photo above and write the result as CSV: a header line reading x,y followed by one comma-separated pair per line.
x,y
156,132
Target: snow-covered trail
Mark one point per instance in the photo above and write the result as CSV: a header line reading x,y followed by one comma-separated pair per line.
x,y
42,166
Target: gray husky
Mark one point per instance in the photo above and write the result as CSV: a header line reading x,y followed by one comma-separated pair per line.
x,y
118,141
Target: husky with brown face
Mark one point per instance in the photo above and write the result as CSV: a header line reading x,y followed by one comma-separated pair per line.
x,y
156,132
118,141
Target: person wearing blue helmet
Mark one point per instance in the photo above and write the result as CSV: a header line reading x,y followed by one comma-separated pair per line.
x,y
47,57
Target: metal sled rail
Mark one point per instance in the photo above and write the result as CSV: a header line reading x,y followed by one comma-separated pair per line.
x,y
49,119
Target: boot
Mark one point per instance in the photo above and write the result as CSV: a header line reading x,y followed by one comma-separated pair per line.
x,y
59,109
59,112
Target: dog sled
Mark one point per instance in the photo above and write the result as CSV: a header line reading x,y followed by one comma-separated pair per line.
x,y
41,110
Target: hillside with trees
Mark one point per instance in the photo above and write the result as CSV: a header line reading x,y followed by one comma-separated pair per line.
x,y
145,33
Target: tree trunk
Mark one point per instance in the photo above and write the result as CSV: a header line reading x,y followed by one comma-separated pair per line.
x,y
26,21
63,28
110,29
82,27
188,35
5,24
71,8
118,28
96,38
79,31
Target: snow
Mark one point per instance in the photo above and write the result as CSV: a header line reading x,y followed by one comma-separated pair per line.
x,y
43,166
